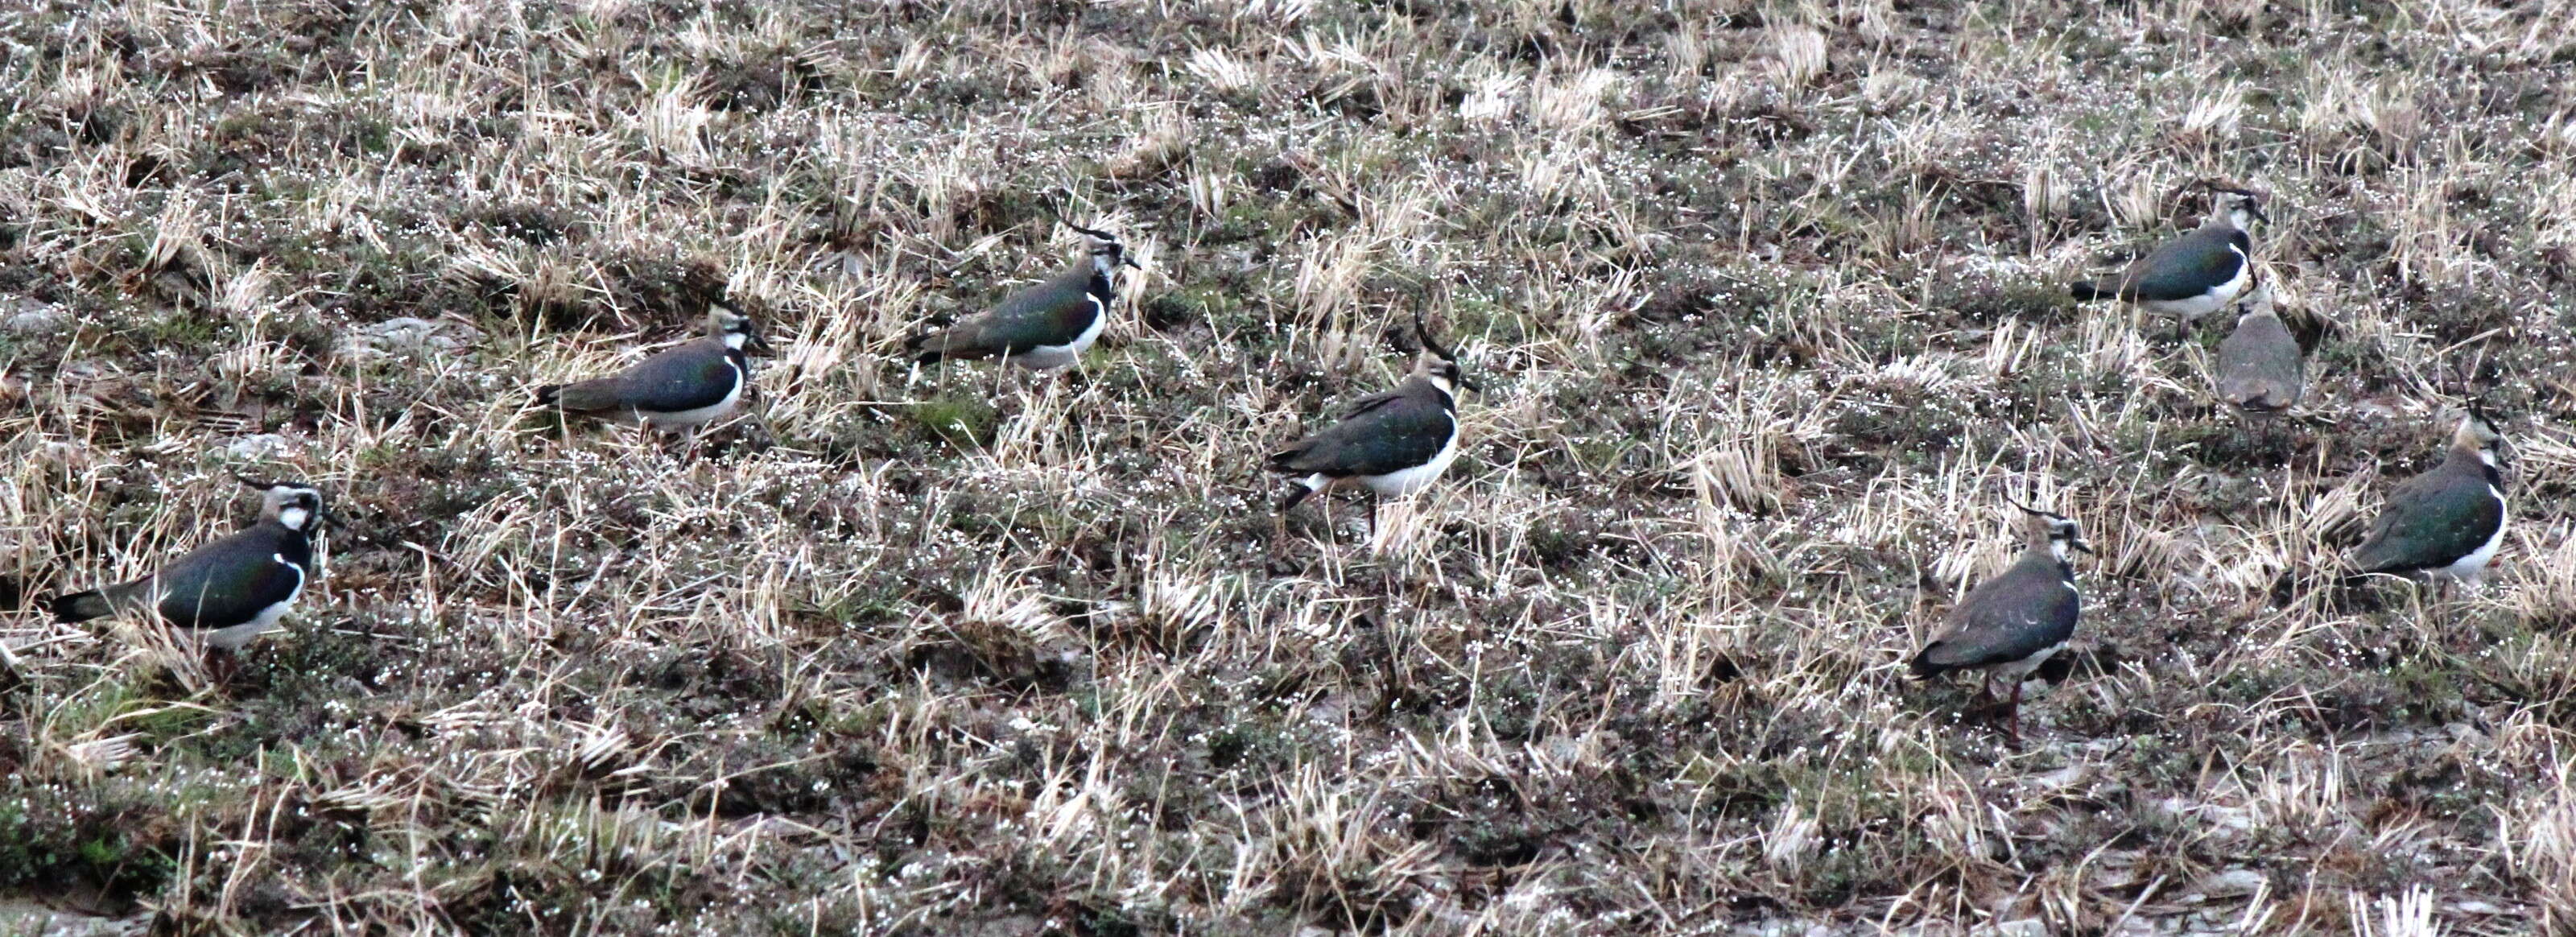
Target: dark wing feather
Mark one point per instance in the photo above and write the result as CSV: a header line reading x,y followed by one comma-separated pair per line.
x,y
1388,433
2187,266
682,377
699,374
226,582
2431,521
2027,609
1051,313
1372,402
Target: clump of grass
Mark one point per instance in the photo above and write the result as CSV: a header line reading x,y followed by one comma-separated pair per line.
x,y
964,422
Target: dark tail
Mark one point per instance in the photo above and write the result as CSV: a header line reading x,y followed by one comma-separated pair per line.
x,y
546,395
1285,461
2086,291
80,606
1922,666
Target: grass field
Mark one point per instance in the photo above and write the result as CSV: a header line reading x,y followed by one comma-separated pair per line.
x,y
1769,302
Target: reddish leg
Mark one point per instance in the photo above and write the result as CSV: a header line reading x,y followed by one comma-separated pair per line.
x,y
2016,714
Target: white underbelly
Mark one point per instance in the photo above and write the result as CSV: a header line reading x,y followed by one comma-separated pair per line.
x,y
2473,567
2016,670
2216,298
692,419
1401,482
234,637
1051,357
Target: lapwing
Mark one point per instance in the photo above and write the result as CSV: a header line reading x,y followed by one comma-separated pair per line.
x,y
2260,370
678,389
1394,443
2448,522
1045,327
230,590
2196,274
2010,624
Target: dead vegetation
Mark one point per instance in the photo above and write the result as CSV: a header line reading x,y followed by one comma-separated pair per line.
x,y
1769,300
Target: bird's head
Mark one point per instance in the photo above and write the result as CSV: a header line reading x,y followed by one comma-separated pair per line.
x,y
2477,433
2058,532
1437,363
1107,252
727,321
293,505
2241,207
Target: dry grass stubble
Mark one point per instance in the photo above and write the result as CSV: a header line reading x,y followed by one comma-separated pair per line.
x,y
1769,297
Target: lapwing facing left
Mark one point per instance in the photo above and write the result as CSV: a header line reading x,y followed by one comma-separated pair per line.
x,y
678,389
1394,443
230,590
2010,624
2196,274
1045,327
2446,523
2260,369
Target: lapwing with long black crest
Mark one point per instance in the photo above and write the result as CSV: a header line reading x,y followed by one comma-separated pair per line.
x,y
2010,624
2197,273
2260,369
1393,443
678,389
2445,524
230,590
1045,327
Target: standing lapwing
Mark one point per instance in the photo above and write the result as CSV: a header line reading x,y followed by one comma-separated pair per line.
x,y
1393,443
678,389
2196,274
2446,523
2260,370
1044,327
2010,624
232,589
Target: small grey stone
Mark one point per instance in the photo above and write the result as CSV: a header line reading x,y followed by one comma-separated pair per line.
x,y
22,316
2232,883
410,336
2026,927
261,446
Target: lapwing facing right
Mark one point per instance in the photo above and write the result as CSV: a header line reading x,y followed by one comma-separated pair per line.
x,y
230,590
1394,443
678,389
2193,275
2446,523
1045,327
2260,370
2010,624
